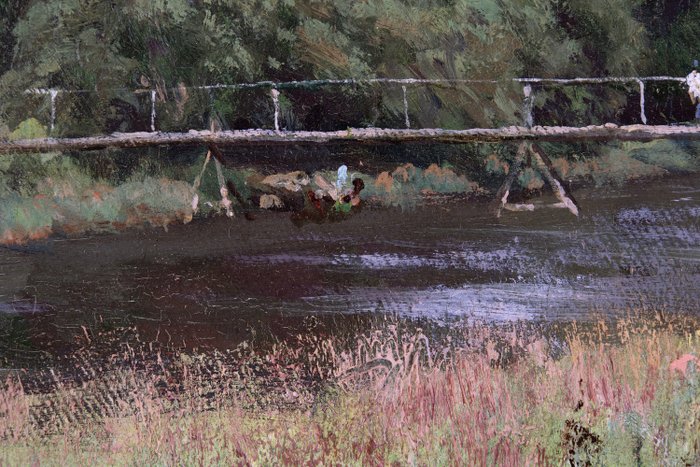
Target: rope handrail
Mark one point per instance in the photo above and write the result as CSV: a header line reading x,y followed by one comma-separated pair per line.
x,y
275,86
355,81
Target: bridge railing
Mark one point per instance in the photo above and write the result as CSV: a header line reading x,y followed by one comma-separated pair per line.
x,y
274,90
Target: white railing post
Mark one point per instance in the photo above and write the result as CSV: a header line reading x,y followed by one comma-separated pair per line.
x,y
53,93
153,110
405,107
404,82
642,113
276,102
527,106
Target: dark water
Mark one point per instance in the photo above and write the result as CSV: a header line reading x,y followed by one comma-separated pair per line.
x,y
216,282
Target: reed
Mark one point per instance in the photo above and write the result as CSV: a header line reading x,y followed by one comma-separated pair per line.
x,y
608,394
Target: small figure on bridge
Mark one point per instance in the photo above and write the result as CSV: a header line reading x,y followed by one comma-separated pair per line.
x,y
693,82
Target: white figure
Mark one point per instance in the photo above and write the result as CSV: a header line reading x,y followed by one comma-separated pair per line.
x,y
693,82
342,177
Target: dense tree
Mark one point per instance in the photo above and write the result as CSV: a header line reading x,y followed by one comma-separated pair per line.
x,y
105,47
10,12
110,48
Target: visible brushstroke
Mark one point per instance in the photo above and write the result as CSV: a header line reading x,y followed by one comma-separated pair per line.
x,y
405,107
682,363
225,202
517,207
270,202
156,202
504,190
342,178
53,93
637,249
292,181
153,110
607,132
328,203
314,83
407,184
528,104
547,169
276,103
182,90
642,112
198,181
544,167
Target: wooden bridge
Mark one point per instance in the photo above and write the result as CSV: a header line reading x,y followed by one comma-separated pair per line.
x,y
526,134
605,132
276,136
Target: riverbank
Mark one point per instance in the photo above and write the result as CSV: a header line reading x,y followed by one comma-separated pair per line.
x,y
68,195
613,396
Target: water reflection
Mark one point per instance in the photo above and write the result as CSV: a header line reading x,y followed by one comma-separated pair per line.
x,y
216,282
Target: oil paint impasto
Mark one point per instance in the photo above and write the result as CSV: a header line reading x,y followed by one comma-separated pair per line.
x,y
330,232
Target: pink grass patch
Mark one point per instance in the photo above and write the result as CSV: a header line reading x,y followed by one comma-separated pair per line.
x,y
681,364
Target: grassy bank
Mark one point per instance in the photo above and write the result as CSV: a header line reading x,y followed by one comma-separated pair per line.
x,y
490,396
107,191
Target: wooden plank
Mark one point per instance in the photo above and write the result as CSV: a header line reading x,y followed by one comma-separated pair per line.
x,y
605,132
547,170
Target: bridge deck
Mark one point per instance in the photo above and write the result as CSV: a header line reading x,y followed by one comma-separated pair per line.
x,y
607,132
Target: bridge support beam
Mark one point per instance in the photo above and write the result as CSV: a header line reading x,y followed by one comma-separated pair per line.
x,y
504,191
544,166
227,186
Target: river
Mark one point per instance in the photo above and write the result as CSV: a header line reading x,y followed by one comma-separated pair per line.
x,y
216,282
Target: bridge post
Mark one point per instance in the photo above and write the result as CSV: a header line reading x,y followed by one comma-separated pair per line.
x,y
53,93
405,107
228,187
504,190
276,102
528,102
153,110
544,166
547,170
642,114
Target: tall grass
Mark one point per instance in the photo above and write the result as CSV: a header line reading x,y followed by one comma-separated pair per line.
x,y
482,396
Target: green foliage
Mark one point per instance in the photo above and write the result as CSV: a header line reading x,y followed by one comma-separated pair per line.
x,y
10,12
670,155
21,218
675,422
4,131
405,185
28,129
611,38
103,47
673,26
600,403
108,49
47,193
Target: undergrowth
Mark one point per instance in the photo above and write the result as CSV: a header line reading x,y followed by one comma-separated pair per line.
x,y
623,394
